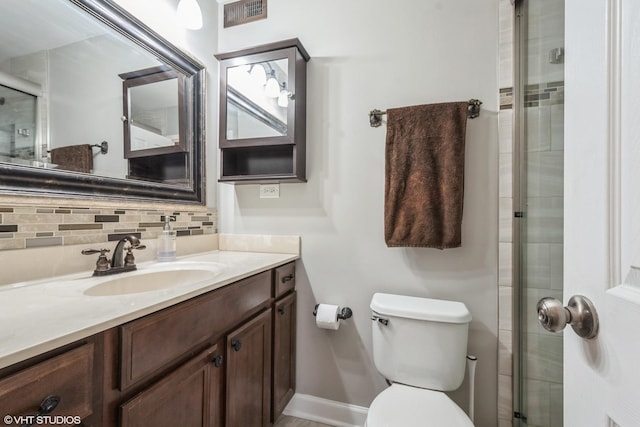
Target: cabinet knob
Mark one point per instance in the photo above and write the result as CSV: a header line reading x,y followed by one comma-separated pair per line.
x,y
288,278
236,344
46,407
281,310
218,360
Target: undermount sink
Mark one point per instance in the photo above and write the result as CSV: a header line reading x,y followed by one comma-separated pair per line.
x,y
148,281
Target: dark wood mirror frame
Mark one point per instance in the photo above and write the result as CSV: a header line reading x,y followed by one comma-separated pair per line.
x,y
26,180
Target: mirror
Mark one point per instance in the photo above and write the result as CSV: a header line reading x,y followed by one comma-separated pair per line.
x,y
67,69
153,104
257,99
260,89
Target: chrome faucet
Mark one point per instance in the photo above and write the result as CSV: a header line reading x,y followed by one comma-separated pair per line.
x,y
119,262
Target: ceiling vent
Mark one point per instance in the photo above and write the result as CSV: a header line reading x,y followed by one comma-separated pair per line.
x,y
243,11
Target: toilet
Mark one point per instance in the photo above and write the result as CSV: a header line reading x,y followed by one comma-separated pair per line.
x,y
420,347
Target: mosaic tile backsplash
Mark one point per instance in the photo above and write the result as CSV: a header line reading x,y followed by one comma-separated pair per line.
x,y
24,227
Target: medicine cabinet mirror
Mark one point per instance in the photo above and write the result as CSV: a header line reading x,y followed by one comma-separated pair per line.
x,y
263,113
152,109
67,59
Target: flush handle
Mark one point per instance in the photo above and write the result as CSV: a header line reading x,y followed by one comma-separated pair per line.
x,y
580,313
379,319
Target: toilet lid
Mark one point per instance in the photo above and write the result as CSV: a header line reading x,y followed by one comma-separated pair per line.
x,y
405,406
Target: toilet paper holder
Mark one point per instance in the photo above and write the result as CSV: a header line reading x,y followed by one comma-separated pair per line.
x,y
345,312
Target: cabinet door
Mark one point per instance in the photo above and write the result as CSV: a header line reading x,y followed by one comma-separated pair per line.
x,y
284,353
188,397
248,394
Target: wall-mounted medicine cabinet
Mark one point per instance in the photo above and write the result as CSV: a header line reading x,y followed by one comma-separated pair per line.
x,y
263,113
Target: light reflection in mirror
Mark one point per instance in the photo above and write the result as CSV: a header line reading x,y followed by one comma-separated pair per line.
x,y
253,91
154,115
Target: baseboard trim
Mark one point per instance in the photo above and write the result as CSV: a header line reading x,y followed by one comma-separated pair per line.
x,y
326,411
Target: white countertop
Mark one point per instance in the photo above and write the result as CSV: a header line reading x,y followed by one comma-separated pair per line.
x,y
42,315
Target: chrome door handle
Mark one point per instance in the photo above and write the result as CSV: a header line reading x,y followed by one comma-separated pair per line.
x,y
580,313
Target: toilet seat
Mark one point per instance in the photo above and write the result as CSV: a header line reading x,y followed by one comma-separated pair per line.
x,y
406,406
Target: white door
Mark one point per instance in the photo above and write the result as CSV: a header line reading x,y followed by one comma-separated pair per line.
x,y
602,209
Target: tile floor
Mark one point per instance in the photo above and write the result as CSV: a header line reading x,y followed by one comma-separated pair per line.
x,y
286,421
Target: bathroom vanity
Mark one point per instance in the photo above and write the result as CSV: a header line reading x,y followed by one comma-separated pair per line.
x,y
215,352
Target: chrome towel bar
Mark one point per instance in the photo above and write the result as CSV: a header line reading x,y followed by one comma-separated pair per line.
x,y
375,116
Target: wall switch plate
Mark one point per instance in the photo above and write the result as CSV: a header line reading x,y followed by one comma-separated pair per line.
x,y
269,191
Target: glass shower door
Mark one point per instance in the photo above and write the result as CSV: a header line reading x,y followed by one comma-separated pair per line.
x,y
17,126
539,207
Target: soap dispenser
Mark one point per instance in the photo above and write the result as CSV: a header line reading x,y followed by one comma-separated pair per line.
x,y
167,242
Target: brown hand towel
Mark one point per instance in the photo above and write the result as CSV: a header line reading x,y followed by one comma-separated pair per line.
x,y
78,158
424,175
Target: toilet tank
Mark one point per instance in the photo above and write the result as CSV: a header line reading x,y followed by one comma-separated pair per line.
x,y
420,341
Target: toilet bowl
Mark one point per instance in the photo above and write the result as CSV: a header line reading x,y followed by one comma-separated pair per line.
x,y
406,406
419,346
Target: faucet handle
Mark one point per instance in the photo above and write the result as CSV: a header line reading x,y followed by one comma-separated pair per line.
x,y
129,259
102,264
94,251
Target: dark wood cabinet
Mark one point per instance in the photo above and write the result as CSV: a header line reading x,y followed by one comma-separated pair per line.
x,y
263,113
248,393
222,359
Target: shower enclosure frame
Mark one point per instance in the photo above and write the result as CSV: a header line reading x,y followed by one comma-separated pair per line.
x,y
521,286
518,209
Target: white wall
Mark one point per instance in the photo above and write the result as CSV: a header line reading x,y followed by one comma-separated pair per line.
x,y
366,55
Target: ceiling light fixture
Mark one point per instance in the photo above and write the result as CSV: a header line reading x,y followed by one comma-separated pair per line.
x,y
189,14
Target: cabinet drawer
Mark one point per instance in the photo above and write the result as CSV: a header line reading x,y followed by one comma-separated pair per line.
x,y
153,342
285,279
67,376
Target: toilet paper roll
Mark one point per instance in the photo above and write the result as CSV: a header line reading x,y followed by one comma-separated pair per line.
x,y
327,316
